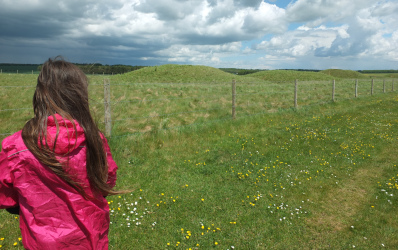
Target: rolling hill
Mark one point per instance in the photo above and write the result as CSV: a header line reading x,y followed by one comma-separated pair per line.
x,y
173,73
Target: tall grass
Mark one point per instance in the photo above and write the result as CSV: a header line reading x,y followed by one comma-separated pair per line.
x,y
321,176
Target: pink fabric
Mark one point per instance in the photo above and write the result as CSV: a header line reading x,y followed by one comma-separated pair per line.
x,y
53,215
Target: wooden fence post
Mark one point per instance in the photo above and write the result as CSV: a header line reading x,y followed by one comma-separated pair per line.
x,y
384,85
233,99
392,85
107,108
333,89
371,88
295,93
356,87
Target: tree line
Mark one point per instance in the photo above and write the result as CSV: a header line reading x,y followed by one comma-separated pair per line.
x,y
95,68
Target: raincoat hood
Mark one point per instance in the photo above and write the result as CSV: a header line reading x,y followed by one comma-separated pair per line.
x,y
64,136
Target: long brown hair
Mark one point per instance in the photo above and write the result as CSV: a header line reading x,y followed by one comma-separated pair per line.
x,y
62,88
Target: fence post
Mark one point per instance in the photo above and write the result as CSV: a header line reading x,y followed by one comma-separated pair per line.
x,y
233,99
107,108
295,93
384,85
392,86
333,89
17,71
371,88
356,87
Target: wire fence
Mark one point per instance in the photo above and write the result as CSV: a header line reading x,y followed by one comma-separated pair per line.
x,y
138,108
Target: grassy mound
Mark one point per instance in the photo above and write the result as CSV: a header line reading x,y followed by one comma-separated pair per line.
x,y
290,75
339,73
380,75
173,73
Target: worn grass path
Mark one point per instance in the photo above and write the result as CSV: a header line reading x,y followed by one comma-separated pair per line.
x,y
359,211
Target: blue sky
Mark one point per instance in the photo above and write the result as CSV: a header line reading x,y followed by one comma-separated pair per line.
x,y
281,3
260,34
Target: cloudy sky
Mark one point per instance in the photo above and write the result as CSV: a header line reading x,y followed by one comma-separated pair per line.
x,y
261,34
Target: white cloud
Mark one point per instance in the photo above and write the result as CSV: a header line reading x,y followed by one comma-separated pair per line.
x,y
208,32
303,41
198,54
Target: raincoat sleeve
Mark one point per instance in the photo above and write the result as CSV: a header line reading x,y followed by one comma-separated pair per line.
x,y
8,195
112,167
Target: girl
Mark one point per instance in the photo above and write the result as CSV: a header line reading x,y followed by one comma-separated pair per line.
x,y
59,168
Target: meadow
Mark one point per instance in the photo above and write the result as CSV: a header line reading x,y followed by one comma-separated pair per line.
x,y
323,175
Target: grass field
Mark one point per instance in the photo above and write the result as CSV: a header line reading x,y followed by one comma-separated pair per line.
x,y
170,96
320,176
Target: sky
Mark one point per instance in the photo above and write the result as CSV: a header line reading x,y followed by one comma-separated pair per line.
x,y
249,34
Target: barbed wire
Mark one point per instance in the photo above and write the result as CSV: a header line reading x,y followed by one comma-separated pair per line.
x,y
267,92
6,134
171,84
155,99
165,99
259,84
240,107
18,86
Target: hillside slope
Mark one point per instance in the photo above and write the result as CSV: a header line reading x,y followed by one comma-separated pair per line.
x,y
290,75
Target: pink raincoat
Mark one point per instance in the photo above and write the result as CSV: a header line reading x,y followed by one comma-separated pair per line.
x,y
53,215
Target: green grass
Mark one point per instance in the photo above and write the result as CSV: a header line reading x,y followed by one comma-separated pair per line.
x,y
290,75
322,176
309,179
